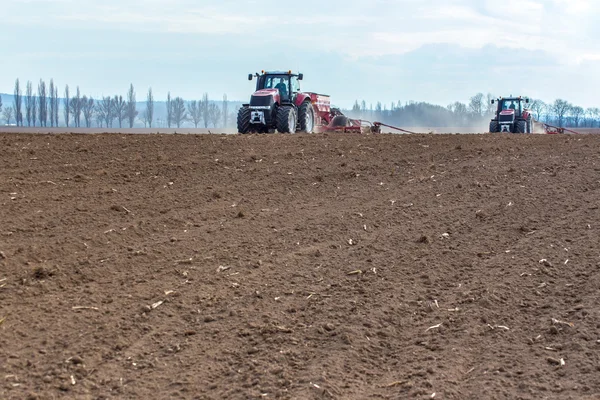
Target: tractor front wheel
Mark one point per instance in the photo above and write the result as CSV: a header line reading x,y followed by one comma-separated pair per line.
x,y
493,126
521,126
306,116
243,120
286,119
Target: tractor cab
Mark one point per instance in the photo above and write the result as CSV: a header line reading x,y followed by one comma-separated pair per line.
x,y
512,104
286,83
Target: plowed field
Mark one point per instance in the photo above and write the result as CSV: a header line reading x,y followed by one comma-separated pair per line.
x,y
299,266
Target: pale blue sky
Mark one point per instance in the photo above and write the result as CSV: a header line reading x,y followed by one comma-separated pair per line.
x,y
389,50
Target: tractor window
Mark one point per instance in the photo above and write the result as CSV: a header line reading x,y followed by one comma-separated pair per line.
x,y
268,83
295,84
271,82
511,105
280,82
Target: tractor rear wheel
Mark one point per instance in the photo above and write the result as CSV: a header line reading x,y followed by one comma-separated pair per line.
x,y
243,120
493,126
530,125
306,116
286,119
521,126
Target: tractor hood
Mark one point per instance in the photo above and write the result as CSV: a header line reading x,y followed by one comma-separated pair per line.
x,y
264,98
267,92
506,117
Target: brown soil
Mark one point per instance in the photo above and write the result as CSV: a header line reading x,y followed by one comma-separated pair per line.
x,y
299,267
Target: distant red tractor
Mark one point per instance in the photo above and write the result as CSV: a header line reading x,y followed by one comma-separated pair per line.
x,y
512,116
279,105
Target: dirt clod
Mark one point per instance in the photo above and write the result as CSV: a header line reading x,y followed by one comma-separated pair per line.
x,y
41,273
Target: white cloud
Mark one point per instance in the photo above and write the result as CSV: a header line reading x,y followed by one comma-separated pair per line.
x,y
354,27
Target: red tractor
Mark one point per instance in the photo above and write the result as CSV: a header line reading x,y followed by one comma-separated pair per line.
x,y
512,116
278,104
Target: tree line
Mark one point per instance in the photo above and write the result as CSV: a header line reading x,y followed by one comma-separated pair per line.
x,y
479,110
42,107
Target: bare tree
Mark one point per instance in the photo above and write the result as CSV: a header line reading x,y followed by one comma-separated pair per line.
x,y
460,112
149,111
98,113
560,109
67,105
119,109
28,102
88,110
73,104
18,100
214,114
131,106
205,112
195,111
577,113
476,105
76,108
537,106
56,105
225,109
7,114
169,110
33,110
596,116
43,103
178,112
356,108
51,101
588,117
104,111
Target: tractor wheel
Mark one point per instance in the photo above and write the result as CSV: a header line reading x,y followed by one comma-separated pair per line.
x,y
521,126
286,119
306,116
530,125
493,126
243,120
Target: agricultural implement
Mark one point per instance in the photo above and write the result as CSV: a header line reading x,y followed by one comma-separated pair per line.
x,y
279,105
554,130
341,123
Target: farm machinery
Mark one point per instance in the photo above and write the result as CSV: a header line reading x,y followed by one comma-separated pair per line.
x,y
514,116
278,104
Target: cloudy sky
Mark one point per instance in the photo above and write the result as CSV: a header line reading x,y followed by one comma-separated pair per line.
x,y
378,50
